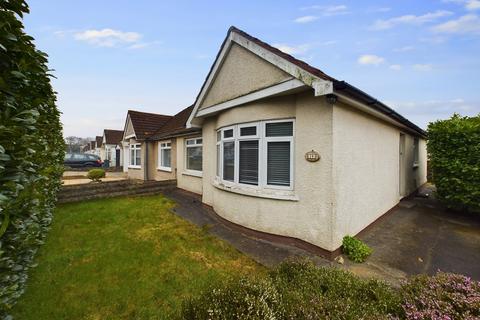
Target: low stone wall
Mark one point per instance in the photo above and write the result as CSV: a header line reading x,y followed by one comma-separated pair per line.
x,y
88,191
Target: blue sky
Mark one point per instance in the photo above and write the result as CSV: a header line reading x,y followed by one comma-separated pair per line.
x,y
420,57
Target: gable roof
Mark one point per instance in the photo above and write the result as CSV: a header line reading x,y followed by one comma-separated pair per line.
x,y
113,136
145,124
322,83
98,141
175,126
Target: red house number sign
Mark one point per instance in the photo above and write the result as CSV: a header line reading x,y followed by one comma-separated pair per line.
x,y
312,156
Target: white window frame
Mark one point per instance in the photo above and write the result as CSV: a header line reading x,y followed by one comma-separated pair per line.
x,y
262,154
197,173
164,145
138,148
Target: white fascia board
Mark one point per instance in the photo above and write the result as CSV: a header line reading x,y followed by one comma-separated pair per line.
x,y
285,86
320,86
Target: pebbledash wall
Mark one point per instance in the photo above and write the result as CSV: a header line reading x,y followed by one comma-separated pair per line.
x,y
355,182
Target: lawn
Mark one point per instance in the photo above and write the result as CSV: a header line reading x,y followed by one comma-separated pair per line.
x,y
124,258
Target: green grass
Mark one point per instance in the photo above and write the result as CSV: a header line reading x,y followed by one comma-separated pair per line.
x,y
124,258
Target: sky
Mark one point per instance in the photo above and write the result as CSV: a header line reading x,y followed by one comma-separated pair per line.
x,y
420,57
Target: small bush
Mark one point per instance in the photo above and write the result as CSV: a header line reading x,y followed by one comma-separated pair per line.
x,y
249,299
454,153
355,249
444,296
96,174
297,290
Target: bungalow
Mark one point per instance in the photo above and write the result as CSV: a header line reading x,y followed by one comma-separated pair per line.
x,y
294,154
111,148
150,146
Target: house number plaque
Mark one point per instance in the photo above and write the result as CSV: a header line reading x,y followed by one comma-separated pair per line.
x,y
312,156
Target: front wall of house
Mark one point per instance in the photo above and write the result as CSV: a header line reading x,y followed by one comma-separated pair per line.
x,y
185,180
366,169
251,73
137,173
309,217
154,172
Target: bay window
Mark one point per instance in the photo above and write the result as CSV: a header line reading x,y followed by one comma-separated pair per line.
x,y
165,156
135,155
258,155
193,151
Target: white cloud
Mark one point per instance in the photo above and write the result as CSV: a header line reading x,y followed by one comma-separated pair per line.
x,y
108,37
469,23
370,59
404,49
435,107
470,5
422,67
396,67
328,11
305,19
409,20
292,49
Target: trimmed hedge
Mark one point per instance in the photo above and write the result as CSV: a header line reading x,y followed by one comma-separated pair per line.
x,y
31,151
96,175
454,151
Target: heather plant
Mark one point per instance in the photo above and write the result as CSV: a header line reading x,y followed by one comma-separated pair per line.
x,y
443,296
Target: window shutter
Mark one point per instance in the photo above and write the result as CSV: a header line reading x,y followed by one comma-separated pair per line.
x,y
229,161
278,163
248,162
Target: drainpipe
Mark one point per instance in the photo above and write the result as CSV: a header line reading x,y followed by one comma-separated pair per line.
x,y
145,171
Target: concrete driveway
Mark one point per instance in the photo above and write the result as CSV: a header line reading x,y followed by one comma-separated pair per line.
x,y
421,236
417,237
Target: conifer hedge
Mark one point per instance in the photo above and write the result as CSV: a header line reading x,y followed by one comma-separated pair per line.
x,y
31,151
454,152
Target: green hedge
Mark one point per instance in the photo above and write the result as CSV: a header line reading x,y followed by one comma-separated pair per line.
x,y
31,151
454,151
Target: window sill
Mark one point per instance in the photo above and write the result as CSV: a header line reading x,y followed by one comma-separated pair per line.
x,y
198,174
134,167
285,195
164,169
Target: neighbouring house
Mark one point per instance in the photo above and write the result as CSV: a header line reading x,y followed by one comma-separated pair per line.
x,y
294,154
98,146
154,145
112,147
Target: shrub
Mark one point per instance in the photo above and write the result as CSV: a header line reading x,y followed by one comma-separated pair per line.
x,y
454,152
96,174
31,152
296,290
249,299
444,296
355,249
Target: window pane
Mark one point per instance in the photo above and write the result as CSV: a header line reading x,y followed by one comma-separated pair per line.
x,y
280,129
228,160
138,157
278,163
228,133
166,158
248,162
189,142
132,157
218,160
194,158
248,131
219,135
